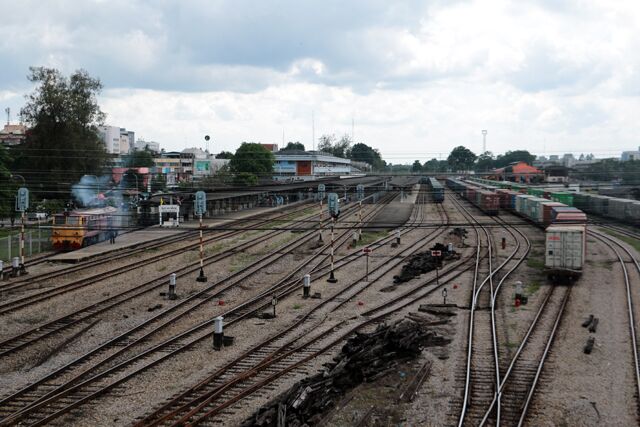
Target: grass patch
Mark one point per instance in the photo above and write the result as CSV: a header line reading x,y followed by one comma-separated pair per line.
x,y
214,249
240,261
161,268
277,244
369,237
297,306
535,263
512,344
635,243
4,232
533,288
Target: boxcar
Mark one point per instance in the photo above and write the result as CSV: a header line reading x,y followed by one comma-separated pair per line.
x,y
565,250
436,189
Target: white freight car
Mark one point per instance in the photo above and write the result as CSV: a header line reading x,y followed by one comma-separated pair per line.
x,y
565,251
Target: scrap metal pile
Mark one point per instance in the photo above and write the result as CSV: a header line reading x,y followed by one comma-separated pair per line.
x,y
424,262
365,357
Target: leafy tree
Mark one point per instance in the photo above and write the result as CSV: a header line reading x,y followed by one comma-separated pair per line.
x,y
485,162
158,182
62,143
139,159
8,187
514,156
251,158
434,165
224,155
416,167
326,143
294,146
461,158
245,178
363,153
342,147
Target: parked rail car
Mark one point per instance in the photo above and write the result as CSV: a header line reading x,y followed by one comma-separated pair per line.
x,y
486,201
436,189
565,251
84,227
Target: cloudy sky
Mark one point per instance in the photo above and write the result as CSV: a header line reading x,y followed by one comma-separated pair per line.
x,y
417,77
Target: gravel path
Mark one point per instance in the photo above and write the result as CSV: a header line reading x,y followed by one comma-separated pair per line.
x,y
595,389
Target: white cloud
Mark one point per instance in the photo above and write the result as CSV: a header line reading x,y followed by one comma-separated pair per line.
x,y
419,77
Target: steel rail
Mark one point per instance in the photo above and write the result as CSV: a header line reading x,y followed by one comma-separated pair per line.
x,y
65,391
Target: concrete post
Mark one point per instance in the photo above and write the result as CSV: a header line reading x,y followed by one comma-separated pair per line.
x,y
172,286
218,333
306,286
398,236
1,270
15,266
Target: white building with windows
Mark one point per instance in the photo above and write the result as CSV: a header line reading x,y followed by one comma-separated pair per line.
x,y
630,155
297,165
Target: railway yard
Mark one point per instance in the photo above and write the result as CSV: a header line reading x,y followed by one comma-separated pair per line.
x,y
483,335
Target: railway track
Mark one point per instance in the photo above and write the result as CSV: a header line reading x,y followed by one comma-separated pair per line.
x,y
25,284
483,350
85,314
39,396
263,364
621,251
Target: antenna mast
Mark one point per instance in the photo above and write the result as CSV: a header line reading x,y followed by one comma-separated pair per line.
x,y
352,129
484,141
8,111
313,131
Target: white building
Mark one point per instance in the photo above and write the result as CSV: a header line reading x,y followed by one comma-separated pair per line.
x,y
117,140
141,145
307,165
630,155
110,136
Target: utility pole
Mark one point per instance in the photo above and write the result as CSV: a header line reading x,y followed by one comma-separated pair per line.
x,y
313,131
484,141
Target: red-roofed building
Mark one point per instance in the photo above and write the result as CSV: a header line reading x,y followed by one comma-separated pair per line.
x,y
519,172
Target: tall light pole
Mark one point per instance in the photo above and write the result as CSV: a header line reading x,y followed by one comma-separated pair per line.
x,y
484,141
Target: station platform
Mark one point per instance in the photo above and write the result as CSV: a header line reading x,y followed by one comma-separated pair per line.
x,y
135,238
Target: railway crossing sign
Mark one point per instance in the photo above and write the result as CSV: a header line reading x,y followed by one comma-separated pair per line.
x,y
201,203
360,191
366,250
334,204
22,199
436,253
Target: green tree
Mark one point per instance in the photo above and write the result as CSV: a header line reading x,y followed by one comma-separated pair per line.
x,y
8,186
139,159
294,146
416,166
224,155
251,158
461,158
325,143
514,156
485,162
363,153
62,144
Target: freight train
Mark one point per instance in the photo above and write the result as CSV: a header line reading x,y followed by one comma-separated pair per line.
x,y
83,227
565,225
485,200
436,189
623,210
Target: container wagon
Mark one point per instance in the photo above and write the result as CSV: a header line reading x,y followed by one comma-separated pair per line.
x,y
565,251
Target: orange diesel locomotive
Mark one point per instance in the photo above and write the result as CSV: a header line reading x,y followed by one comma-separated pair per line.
x,y
80,228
